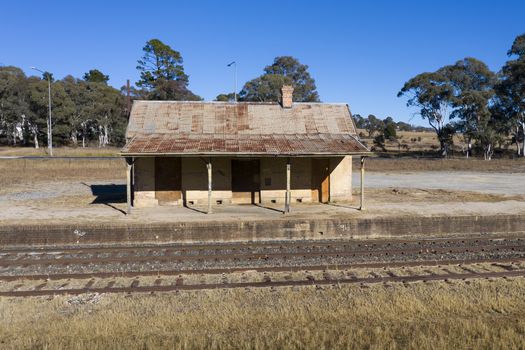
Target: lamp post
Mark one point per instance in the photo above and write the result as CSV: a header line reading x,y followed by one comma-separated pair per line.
x,y
234,80
49,126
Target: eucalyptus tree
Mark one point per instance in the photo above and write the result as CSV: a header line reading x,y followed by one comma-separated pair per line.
x,y
473,93
96,76
432,93
510,92
79,120
106,110
285,70
372,125
13,103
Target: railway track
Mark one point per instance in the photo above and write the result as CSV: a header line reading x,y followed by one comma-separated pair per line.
x,y
171,267
255,251
329,277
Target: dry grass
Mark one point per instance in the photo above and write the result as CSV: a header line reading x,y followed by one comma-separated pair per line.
x,y
24,171
479,315
60,151
426,164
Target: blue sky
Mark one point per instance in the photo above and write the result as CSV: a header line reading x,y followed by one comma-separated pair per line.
x,y
360,53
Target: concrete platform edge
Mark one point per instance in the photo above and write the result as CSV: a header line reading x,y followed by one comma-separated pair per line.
x,y
383,227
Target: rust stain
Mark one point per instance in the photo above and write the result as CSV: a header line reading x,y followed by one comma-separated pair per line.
x,y
196,123
241,110
259,128
264,144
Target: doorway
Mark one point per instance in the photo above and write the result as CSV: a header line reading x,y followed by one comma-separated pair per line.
x,y
168,180
321,180
246,181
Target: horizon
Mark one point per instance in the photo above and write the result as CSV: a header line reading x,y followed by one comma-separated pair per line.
x,y
368,83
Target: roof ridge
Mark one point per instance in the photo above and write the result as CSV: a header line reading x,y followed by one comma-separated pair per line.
x,y
239,102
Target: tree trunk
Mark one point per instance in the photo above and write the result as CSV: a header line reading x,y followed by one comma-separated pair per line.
x,y
523,140
35,140
74,137
488,152
444,149
469,146
106,135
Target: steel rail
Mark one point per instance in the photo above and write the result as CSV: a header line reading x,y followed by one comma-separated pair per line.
x,y
215,271
135,288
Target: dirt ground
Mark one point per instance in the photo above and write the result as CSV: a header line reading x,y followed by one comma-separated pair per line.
x,y
104,200
61,190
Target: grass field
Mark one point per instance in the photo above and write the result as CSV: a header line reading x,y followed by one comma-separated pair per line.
x,y
28,171
461,315
60,151
408,164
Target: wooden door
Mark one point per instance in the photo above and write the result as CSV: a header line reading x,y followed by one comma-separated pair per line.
x,y
168,179
321,180
245,181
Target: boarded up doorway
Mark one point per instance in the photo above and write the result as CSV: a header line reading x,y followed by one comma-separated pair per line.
x,y
245,181
321,180
168,180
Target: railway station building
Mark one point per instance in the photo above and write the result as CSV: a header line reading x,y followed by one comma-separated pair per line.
x,y
186,153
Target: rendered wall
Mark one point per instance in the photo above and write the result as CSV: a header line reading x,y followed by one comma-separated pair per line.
x,y
273,180
144,183
341,179
195,180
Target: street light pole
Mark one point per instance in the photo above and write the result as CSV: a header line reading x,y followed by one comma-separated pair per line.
x,y
49,125
234,63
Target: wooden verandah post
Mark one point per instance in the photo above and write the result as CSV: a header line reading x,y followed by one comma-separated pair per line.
x,y
288,197
362,201
208,167
129,169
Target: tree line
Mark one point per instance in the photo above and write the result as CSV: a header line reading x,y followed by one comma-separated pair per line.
x,y
465,98
82,109
484,107
89,111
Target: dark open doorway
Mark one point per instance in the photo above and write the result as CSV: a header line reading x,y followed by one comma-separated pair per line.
x,y
246,181
168,179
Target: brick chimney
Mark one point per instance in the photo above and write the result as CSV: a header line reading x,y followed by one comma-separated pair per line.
x,y
287,96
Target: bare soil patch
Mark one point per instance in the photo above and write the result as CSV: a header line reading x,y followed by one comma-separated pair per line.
x,y
421,195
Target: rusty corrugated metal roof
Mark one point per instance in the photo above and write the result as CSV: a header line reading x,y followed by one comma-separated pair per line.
x,y
175,127
213,144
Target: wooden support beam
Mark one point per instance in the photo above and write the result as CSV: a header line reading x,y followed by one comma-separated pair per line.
x,y
288,198
362,201
129,164
208,166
